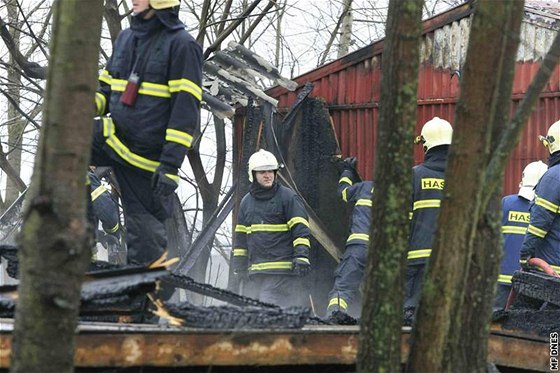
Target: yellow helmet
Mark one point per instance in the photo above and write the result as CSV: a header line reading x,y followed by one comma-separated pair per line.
x,y
552,139
262,161
163,4
435,132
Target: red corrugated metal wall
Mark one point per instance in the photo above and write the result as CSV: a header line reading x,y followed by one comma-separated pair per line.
x,y
352,89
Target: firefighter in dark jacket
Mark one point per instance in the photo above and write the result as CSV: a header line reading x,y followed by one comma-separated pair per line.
x,y
541,245
427,192
151,87
271,245
515,219
349,273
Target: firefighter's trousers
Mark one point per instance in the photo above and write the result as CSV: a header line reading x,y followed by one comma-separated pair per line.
x,y
347,280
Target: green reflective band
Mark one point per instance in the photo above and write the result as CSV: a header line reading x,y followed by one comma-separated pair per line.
x,y
241,229
105,77
536,231
302,259
546,204
344,196
358,236
505,279
134,159
364,202
302,241
415,254
511,229
268,228
522,262
118,85
100,103
153,89
410,215
146,88
427,203
179,137
345,180
270,265
108,127
114,229
97,192
338,302
297,220
173,177
237,251
185,85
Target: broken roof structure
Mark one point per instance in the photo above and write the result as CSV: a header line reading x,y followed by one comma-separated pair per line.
x,y
351,85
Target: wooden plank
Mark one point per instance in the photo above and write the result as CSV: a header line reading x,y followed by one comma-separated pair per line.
x,y
114,345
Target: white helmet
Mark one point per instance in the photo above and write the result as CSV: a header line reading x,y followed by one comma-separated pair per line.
x,y
532,173
262,161
552,139
435,132
163,4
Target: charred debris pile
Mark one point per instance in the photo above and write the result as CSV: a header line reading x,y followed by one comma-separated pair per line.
x,y
113,293
536,304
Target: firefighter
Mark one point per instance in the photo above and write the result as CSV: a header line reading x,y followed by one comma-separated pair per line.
x,y
349,273
271,244
541,245
515,219
427,192
151,87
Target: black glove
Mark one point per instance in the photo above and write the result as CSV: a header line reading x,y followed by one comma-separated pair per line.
x,y
349,163
164,180
301,266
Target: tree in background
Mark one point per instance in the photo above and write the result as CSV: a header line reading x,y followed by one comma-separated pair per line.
x,y
56,239
380,332
454,314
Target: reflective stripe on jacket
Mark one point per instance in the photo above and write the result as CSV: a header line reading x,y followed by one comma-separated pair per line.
x,y
427,192
515,219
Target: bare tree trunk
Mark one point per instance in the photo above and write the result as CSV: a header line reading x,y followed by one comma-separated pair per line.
x,y
55,240
210,192
380,333
16,124
441,311
345,29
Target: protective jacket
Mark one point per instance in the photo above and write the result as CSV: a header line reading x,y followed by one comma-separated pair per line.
x,y
272,229
515,219
360,194
159,127
427,185
542,239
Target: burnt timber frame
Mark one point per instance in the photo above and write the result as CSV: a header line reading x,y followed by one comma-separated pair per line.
x,y
128,345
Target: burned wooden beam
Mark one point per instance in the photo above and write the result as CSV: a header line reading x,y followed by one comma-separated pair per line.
x,y
232,317
537,286
187,262
261,65
187,283
216,106
110,292
239,84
